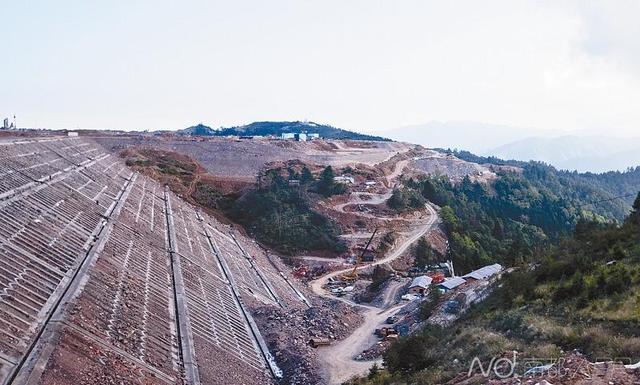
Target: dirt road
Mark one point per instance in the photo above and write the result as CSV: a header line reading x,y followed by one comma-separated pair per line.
x,y
356,199
317,284
338,359
391,293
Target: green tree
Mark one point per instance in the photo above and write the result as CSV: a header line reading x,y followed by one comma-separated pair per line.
x,y
327,185
306,176
423,254
373,372
634,217
398,200
449,218
430,303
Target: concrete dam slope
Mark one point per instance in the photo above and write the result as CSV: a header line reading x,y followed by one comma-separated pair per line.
x,y
106,277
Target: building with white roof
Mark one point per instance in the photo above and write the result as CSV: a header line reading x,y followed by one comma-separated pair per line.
x,y
420,285
451,283
484,272
344,179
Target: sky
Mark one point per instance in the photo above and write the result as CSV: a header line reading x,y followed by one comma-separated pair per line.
x,y
362,65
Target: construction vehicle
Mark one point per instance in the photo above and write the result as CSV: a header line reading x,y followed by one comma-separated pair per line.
x,y
301,271
317,342
384,332
436,277
353,274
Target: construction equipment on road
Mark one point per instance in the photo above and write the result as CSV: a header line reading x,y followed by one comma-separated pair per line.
x,y
385,331
353,274
392,319
301,271
317,342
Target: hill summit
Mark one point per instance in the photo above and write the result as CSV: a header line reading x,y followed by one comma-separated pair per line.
x,y
279,128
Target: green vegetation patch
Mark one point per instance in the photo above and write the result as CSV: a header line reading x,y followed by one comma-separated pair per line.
x,y
279,215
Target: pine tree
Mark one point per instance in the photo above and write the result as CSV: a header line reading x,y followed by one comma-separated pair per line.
x,y
634,217
326,185
306,175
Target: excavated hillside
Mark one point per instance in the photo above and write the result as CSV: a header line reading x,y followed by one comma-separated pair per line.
x,y
243,159
107,277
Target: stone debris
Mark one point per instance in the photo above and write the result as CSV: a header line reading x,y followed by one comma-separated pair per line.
x,y
288,333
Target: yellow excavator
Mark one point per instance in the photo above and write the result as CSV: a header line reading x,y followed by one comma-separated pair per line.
x,y
353,274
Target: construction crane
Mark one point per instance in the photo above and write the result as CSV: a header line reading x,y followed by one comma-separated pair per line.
x,y
353,274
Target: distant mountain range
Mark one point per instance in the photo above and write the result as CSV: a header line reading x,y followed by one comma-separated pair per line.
x,y
559,148
278,128
471,136
588,153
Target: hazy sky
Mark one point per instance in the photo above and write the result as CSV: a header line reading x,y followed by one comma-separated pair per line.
x,y
363,65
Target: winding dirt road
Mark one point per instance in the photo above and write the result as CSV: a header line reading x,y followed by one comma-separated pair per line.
x,y
338,359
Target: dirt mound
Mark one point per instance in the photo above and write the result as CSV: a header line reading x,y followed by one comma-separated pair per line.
x,y
288,331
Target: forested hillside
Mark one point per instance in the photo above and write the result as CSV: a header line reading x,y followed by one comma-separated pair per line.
x,y
609,194
280,215
505,222
582,293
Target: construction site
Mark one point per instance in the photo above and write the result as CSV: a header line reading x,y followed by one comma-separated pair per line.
x,y
111,275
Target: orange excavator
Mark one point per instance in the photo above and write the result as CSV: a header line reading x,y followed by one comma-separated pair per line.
x,y
353,274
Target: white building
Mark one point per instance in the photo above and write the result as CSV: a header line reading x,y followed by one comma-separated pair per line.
x,y
6,124
420,285
288,135
484,272
313,136
344,179
451,283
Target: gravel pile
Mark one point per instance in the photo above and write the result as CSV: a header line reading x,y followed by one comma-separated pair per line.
x,y
287,332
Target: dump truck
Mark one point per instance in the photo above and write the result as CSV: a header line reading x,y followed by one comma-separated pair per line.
x,y
383,332
317,342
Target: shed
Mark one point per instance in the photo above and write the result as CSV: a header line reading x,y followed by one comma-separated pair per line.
x,y
344,179
484,272
452,283
420,284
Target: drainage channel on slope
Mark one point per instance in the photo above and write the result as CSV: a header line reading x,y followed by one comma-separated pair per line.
x,y
264,281
274,370
286,279
98,237
186,347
